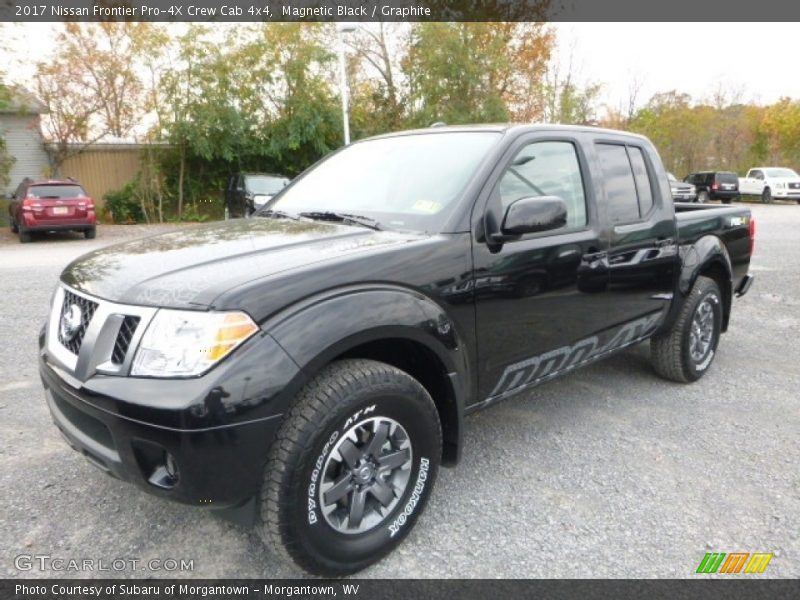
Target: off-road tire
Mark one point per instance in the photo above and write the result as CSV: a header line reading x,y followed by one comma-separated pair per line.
x,y
670,352
325,411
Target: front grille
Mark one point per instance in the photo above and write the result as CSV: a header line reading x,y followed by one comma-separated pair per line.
x,y
73,341
794,186
124,337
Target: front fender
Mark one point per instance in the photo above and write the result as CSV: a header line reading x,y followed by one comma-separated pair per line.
x,y
319,329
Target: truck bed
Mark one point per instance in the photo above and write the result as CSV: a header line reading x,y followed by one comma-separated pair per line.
x,y
731,224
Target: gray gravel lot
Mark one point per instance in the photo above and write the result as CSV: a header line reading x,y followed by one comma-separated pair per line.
x,y
609,472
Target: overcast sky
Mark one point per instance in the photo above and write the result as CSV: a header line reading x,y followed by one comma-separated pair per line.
x,y
757,61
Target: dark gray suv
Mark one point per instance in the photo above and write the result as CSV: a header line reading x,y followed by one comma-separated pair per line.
x,y
247,192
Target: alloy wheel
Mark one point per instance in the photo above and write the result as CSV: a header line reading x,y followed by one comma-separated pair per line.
x,y
365,475
702,332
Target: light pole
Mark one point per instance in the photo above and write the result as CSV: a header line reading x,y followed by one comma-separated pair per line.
x,y
343,28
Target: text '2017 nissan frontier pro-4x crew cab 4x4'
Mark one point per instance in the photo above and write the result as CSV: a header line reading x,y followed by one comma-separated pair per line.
x,y
312,366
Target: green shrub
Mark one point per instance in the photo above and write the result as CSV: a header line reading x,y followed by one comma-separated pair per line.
x,y
122,206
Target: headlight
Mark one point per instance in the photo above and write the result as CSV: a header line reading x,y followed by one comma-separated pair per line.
x,y
182,343
673,190
780,185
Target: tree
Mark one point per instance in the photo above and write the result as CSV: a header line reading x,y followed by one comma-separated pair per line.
x,y
90,87
377,97
474,72
565,100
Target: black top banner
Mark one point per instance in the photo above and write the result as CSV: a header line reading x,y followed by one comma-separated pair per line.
x,y
713,11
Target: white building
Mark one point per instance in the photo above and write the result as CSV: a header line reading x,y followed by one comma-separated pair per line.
x,y
20,128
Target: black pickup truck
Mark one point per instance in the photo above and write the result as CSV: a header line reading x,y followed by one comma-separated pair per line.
x,y
312,366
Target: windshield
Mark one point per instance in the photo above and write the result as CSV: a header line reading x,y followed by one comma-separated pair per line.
x,y
407,182
780,173
262,184
56,191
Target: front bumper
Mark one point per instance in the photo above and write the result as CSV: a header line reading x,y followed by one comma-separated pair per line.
x,y
791,194
200,441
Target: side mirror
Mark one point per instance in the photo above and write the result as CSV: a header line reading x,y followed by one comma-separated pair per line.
x,y
532,215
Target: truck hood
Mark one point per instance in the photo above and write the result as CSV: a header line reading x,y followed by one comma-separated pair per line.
x,y
190,267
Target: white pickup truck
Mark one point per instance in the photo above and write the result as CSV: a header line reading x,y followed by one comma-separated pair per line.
x,y
771,182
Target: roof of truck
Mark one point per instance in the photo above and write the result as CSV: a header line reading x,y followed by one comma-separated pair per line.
x,y
511,127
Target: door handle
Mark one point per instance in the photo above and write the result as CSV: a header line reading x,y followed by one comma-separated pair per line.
x,y
595,260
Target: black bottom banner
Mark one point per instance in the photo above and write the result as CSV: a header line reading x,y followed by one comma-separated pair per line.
x,y
481,589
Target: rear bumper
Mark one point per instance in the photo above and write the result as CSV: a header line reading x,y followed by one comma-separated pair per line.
x,y
30,224
724,194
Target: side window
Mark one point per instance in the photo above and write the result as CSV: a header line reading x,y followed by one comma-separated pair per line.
x,y
546,169
757,175
640,175
623,204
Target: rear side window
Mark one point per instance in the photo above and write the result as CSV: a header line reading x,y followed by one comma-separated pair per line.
x,y
620,186
643,186
56,191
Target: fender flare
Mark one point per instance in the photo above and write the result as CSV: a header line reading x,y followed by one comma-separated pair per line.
x,y
316,330
707,253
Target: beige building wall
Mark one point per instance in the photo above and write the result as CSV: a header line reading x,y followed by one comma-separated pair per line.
x,y
101,170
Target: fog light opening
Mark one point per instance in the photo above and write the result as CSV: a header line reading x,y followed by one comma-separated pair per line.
x,y
166,474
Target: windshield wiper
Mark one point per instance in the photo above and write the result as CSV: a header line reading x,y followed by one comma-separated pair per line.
x,y
275,214
343,218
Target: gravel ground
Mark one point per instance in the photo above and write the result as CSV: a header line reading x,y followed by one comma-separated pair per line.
x,y
609,472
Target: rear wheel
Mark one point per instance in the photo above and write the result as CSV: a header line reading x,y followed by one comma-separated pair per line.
x,y
90,234
766,195
24,237
14,228
686,351
351,468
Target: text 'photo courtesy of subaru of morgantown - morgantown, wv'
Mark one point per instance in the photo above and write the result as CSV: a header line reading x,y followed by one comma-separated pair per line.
x,y
309,369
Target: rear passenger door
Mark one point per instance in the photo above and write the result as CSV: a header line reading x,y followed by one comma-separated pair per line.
x,y
642,251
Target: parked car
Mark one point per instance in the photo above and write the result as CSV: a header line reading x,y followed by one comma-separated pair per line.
x,y
771,182
715,185
681,191
316,362
247,192
51,205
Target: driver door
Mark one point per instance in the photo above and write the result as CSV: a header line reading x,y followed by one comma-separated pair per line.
x,y
545,291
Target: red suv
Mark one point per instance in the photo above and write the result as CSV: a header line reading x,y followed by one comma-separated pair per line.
x,y
51,205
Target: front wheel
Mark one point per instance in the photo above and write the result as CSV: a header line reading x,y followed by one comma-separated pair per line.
x,y
702,197
766,196
686,351
351,468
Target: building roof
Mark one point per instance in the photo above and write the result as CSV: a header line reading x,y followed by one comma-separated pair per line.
x,y
16,99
